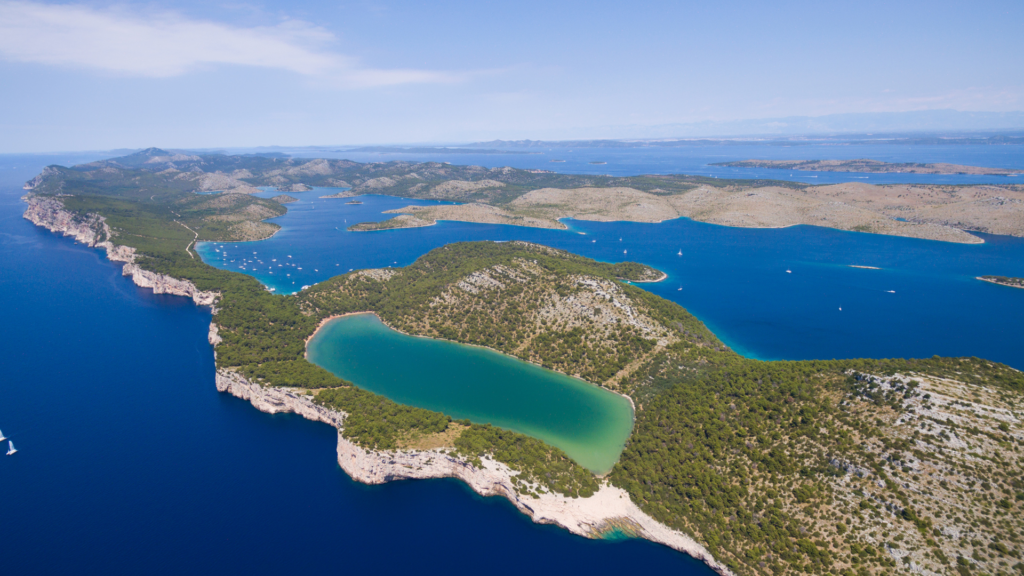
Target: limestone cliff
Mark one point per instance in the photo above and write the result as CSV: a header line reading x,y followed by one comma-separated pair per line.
x,y
93,231
609,509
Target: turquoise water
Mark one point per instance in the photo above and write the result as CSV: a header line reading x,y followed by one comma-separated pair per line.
x,y
589,423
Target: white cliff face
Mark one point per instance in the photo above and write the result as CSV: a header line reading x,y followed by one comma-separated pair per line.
x,y
93,231
163,284
610,508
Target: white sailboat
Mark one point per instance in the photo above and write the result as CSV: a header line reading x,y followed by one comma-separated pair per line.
x,y
2,437
680,253
10,449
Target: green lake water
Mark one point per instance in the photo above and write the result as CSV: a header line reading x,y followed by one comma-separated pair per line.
x,y
589,423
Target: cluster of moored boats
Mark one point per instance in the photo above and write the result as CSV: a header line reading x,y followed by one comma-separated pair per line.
x,y
10,444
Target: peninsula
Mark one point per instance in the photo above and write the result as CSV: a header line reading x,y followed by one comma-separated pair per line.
x,y
871,166
783,467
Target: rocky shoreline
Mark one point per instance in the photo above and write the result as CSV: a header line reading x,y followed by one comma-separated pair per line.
x,y
610,509
94,232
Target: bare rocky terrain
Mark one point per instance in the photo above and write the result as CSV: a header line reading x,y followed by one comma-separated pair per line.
x,y
930,212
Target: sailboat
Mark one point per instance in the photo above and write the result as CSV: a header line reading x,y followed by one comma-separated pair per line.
x,y
623,251
11,449
2,437
680,252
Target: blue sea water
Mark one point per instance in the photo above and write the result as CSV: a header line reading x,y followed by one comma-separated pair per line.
x,y
131,462
698,159
923,300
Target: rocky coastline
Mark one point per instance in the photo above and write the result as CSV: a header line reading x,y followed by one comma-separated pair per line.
x,y
610,509
93,231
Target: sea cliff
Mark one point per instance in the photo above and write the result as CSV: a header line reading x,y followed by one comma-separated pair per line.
x,y
93,231
610,509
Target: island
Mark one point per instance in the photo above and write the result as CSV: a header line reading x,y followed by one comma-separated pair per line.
x,y
403,221
755,467
284,199
1004,281
540,198
871,166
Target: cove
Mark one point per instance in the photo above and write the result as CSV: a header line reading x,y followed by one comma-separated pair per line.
x,y
468,382
923,298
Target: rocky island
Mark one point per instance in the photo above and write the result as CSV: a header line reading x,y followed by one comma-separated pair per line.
x,y
871,166
844,467
1004,281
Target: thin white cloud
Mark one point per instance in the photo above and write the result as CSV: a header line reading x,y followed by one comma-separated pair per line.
x,y
167,44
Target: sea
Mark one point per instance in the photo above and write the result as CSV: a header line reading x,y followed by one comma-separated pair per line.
x,y
130,462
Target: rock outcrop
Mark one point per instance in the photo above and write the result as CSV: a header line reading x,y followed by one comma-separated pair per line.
x,y
93,231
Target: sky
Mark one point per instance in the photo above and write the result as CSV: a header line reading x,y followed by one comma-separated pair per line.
x,y
203,74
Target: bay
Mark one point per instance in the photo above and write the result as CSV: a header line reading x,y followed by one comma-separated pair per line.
x,y
923,299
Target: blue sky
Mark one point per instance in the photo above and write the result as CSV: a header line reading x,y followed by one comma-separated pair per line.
x,y
98,75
